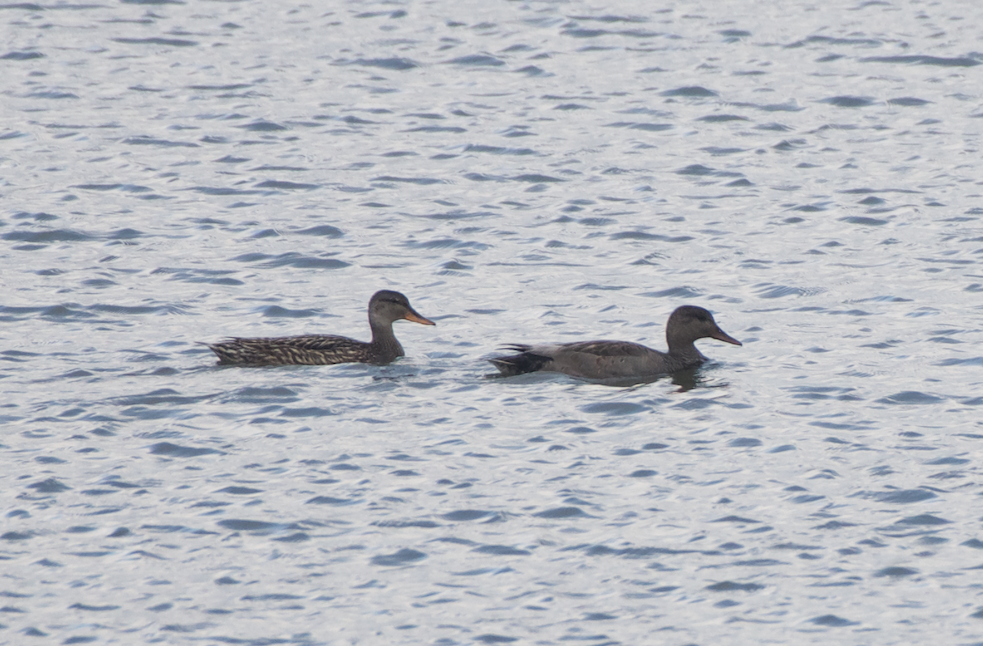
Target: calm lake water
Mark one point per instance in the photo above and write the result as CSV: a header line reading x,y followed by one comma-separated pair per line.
x,y
173,173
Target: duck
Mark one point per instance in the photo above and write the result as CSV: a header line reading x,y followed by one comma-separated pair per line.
x,y
385,307
619,360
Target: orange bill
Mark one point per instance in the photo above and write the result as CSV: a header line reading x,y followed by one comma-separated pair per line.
x,y
412,315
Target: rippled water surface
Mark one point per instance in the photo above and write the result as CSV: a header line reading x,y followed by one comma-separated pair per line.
x,y
172,173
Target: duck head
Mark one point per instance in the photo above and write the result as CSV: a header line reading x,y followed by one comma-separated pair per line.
x,y
689,323
387,306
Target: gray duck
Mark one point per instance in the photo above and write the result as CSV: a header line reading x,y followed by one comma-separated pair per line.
x,y
385,307
619,359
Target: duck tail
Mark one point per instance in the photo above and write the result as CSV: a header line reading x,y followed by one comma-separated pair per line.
x,y
229,352
519,364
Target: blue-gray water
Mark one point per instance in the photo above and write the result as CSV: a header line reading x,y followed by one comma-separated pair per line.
x,y
524,171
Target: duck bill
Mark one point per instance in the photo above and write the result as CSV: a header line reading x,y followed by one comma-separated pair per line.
x,y
412,315
720,335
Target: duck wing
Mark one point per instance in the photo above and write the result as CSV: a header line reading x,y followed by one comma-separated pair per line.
x,y
587,359
307,349
604,348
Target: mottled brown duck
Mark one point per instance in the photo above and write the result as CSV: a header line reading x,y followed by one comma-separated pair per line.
x,y
385,307
619,359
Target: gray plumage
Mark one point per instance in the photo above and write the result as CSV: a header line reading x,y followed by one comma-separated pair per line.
x,y
385,307
619,359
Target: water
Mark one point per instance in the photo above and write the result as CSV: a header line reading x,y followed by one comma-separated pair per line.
x,y
524,172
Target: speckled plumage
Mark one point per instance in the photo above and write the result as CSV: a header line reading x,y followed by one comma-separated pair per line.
x,y
385,307
619,359
307,349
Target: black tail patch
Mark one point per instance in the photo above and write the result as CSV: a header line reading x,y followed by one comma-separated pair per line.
x,y
519,364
